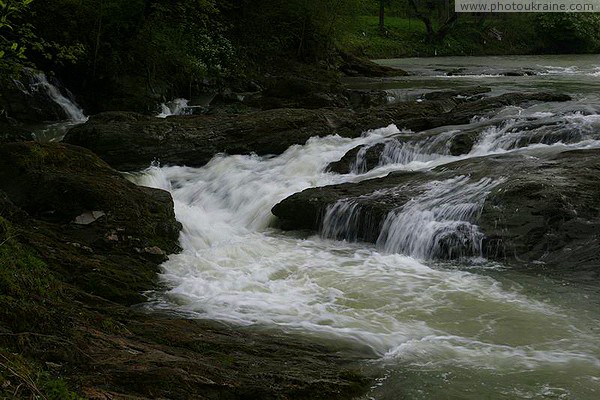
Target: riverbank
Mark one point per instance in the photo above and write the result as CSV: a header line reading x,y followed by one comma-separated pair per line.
x,y
80,246
101,300
469,36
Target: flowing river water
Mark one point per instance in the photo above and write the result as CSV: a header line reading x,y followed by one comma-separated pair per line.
x,y
429,329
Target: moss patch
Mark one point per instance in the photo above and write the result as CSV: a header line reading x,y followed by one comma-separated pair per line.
x,y
21,379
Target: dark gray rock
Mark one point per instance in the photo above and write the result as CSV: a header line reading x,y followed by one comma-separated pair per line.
x,y
544,213
356,66
129,141
348,163
56,184
26,102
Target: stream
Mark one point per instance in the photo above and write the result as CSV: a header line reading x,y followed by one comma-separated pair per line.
x,y
429,329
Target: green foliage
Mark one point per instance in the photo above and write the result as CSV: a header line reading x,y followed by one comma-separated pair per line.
x,y
307,29
19,39
472,35
14,35
184,41
570,32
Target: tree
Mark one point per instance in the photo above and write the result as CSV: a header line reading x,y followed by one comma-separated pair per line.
x,y
14,36
424,14
569,32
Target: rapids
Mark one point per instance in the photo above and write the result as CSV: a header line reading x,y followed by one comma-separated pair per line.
x,y
431,329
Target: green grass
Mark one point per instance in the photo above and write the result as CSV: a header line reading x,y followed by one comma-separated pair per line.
x,y
470,36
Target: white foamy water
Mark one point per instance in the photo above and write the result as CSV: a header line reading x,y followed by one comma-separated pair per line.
x,y
174,107
237,269
73,111
440,331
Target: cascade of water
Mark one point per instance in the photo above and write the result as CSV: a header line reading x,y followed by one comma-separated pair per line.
x,y
438,223
72,110
397,151
174,107
341,219
540,128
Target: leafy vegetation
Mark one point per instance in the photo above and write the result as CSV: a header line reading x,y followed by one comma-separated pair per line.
x,y
569,32
406,37
132,54
14,35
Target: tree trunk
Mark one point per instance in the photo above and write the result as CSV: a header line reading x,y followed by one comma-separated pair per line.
x,y
431,34
382,16
445,29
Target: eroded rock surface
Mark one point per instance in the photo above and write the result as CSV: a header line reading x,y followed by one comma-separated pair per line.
x,y
66,291
129,141
541,211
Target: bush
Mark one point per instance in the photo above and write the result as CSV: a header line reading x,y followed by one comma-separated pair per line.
x,y
569,32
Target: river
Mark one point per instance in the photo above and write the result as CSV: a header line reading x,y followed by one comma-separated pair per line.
x,y
428,329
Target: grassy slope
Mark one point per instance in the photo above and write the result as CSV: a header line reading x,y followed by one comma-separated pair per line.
x,y
405,38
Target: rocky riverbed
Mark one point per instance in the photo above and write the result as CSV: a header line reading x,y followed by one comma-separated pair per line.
x,y
184,285
80,245
539,209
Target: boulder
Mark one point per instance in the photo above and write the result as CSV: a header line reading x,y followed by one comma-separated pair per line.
x,y
129,141
356,66
541,212
548,216
369,155
75,196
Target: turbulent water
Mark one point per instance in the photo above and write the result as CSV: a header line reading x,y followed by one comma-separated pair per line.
x,y
38,82
462,330
174,107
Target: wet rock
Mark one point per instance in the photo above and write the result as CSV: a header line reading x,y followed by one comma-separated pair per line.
x,y
129,141
463,142
542,214
366,98
355,66
456,71
524,72
370,156
548,216
465,93
58,185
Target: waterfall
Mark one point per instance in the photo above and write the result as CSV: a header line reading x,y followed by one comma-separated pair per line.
x,y
440,329
174,107
74,113
341,220
440,222
403,150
